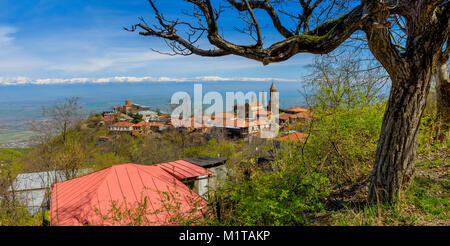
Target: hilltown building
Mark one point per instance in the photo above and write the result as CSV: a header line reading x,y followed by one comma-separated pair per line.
x,y
129,107
290,137
294,114
122,127
244,120
148,115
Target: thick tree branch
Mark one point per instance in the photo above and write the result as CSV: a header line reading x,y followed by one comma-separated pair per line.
x,y
265,5
324,39
321,40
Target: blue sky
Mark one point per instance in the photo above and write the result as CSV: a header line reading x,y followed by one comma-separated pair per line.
x,y
70,39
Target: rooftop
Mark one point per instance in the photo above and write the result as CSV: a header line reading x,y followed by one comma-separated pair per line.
x,y
293,137
126,124
147,112
207,161
297,109
85,199
183,169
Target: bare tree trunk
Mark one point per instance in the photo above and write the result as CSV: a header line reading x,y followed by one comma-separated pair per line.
x,y
396,151
443,98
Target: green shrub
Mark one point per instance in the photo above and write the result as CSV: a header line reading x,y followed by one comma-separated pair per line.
x,y
284,196
343,141
212,148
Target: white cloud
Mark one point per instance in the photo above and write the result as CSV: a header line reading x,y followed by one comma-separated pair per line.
x,y
61,55
250,79
5,35
131,79
116,59
86,53
13,56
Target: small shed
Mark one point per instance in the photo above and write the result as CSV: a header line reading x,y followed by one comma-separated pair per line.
x,y
216,165
32,189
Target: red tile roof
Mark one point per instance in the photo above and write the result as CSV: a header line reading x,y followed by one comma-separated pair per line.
x,y
143,123
148,124
108,118
294,137
297,109
303,115
156,124
124,123
75,202
284,116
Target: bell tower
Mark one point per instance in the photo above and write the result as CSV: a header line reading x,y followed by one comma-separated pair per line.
x,y
272,89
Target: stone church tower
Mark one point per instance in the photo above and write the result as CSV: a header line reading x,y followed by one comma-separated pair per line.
x,y
272,89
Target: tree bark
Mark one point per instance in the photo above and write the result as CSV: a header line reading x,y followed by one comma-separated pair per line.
x,y
411,74
443,98
396,151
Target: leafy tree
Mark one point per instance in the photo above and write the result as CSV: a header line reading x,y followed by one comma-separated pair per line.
x,y
137,117
9,167
12,211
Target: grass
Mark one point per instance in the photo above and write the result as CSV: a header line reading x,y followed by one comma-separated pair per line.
x,y
426,202
431,198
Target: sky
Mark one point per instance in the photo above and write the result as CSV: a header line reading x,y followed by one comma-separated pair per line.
x,y
74,41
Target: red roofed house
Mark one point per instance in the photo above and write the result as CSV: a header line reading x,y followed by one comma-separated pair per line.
x,y
193,123
291,137
294,110
122,127
142,127
89,199
302,115
284,119
108,118
294,114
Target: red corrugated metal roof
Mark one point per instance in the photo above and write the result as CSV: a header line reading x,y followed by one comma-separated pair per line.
x,y
182,169
74,202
